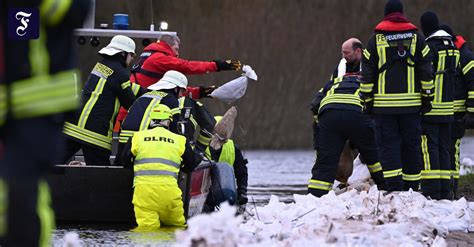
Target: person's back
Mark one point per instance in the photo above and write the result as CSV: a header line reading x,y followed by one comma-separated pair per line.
x,y
394,63
445,62
436,124
137,118
165,92
98,99
338,109
106,89
196,116
157,155
397,72
157,143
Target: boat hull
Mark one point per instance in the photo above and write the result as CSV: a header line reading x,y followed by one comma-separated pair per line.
x,y
103,194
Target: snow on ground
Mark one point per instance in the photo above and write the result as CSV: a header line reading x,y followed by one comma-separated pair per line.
x,y
467,166
351,218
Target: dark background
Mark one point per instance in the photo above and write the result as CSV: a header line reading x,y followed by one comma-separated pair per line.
x,y
293,45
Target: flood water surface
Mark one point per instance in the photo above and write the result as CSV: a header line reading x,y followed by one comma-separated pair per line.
x,y
281,173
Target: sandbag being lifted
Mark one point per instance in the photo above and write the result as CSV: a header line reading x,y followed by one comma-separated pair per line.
x,y
235,89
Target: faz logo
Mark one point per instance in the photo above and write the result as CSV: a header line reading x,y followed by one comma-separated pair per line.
x,y
23,23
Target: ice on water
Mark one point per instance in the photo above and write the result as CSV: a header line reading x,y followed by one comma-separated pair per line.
x,y
353,218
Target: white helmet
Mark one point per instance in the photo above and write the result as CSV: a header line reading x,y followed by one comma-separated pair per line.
x,y
118,44
171,79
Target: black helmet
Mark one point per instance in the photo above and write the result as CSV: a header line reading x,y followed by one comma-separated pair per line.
x,y
429,23
393,6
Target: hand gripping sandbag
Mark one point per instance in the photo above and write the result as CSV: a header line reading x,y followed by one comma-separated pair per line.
x,y
235,89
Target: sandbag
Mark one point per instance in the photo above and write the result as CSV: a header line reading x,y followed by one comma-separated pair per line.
x,y
235,89
223,129
223,184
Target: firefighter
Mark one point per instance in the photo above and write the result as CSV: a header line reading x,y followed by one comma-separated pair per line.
x,y
166,91
397,85
107,88
195,116
463,103
351,51
157,155
436,124
163,55
338,108
37,89
231,154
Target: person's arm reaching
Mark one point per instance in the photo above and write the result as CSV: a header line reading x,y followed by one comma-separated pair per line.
x,y
191,159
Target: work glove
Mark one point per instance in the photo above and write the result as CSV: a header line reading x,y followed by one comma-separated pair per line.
x,y
228,65
206,91
467,122
425,104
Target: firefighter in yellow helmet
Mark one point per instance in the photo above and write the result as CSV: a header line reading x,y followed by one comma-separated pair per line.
x,y
157,155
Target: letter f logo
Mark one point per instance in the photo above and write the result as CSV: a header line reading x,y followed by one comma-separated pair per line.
x,y
23,23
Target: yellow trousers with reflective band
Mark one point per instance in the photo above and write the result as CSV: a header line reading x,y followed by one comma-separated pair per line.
x,y
158,204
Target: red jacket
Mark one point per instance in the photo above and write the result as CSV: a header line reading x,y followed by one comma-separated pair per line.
x,y
165,59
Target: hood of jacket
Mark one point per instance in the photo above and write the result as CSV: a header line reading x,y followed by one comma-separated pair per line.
x,y
439,34
160,47
395,22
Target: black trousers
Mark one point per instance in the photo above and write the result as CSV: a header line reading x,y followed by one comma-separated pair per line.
x,y
334,129
436,173
30,148
93,156
457,132
398,140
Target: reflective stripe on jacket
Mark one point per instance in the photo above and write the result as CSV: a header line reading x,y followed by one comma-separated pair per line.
x,y
42,92
227,153
397,71
445,63
106,89
158,155
138,118
340,93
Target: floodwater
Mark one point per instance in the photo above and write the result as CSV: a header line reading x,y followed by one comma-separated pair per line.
x,y
281,173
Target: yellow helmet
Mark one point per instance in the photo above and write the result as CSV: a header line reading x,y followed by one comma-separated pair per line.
x,y
161,112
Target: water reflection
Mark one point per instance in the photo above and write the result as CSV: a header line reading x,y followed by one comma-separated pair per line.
x,y
115,235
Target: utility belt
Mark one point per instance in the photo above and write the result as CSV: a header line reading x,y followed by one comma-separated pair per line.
x,y
39,96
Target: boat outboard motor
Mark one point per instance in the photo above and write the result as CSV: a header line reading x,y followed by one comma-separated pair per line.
x,y
223,184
